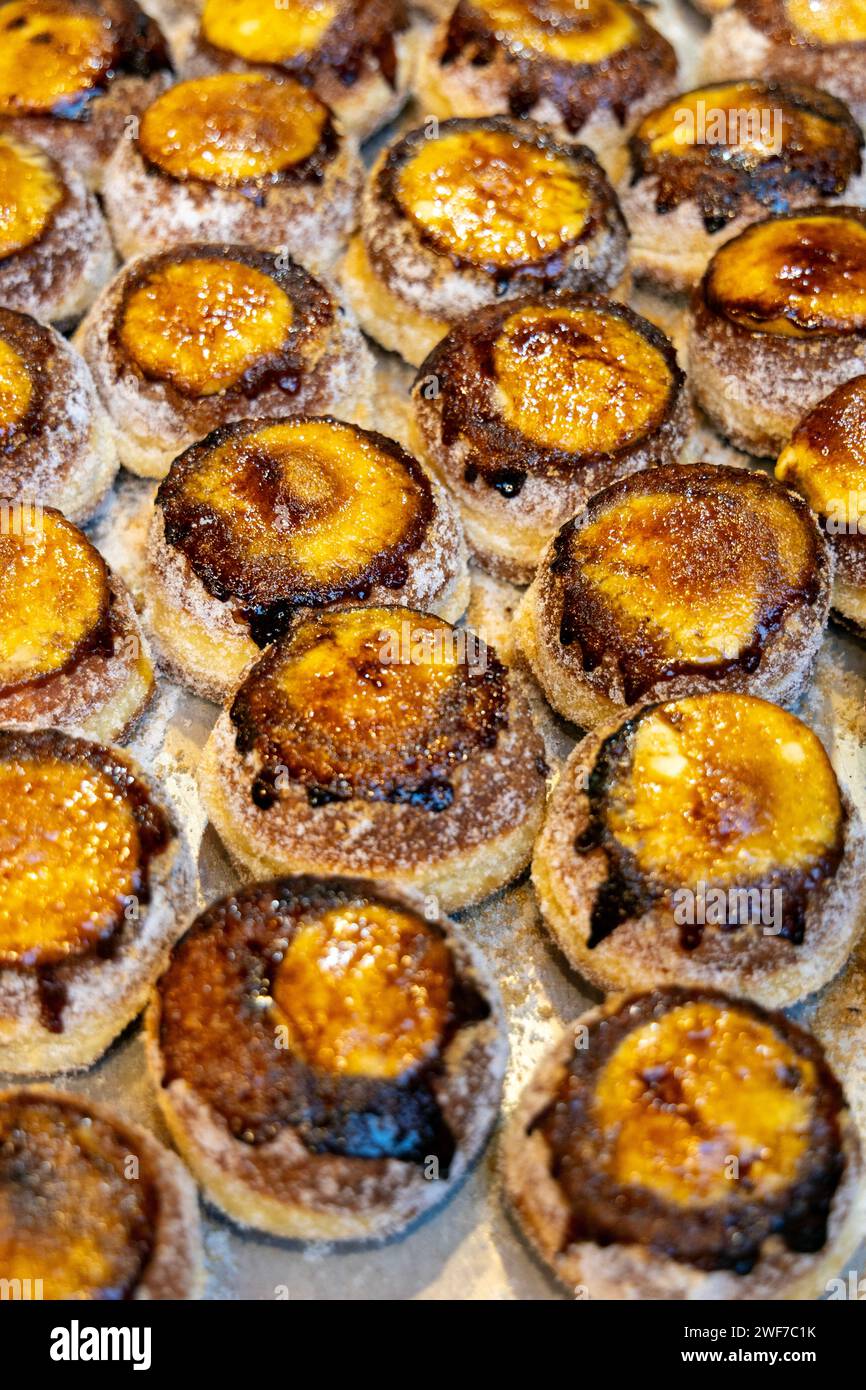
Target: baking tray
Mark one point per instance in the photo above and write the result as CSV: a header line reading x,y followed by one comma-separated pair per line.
x,y
468,1249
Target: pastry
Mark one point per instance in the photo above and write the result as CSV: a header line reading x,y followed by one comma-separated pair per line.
x,y
381,742
778,320
684,1145
56,445
96,882
72,654
92,1207
677,580
235,157
258,521
76,74
826,462
474,212
679,848
527,408
328,1056
55,251
589,69
359,56
195,337
817,41
715,159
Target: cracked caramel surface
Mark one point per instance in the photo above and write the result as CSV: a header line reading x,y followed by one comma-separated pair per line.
x,y
30,194
71,1214
233,129
263,32
54,601
377,703
826,458
796,276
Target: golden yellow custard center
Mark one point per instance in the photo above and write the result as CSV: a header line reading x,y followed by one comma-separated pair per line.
x,y
332,502
16,390
492,199
795,276
826,458
714,793
30,194
262,31
201,324
829,21
702,1100
740,115
579,380
53,595
232,128
364,991
561,29
51,53
69,853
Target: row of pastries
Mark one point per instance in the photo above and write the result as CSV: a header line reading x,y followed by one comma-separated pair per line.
x,y
198,279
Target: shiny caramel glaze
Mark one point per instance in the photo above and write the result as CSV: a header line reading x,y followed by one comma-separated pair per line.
x,y
300,512
575,378
57,55
309,37
789,137
697,1126
16,393
31,193
808,23
802,275
71,1214
498,196
214,320
602,54
77,833
709,790
826,458
683,569
54,602
370,703
321,1006
238,131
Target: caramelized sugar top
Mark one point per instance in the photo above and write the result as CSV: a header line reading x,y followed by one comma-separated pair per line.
x,y
713,792
201,323
683,1095
233,128
580,379
69,1214
16,391
54,600
296,512
490,198
379,703
560,29
826,458
364,990
828,21
262,31
52,53
30,194
795,276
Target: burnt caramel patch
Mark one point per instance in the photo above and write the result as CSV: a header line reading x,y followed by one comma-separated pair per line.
x,y
208,320
70,1216
518,383
600,56
342,39
683,570
32,192
312,1005
826,459
806,24
377,704
78,832
716,146
802,275
708,791
56,56
238,131
667,1090
295,513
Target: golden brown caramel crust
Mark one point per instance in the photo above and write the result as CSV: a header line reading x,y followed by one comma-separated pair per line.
x,y
32,194
802,25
